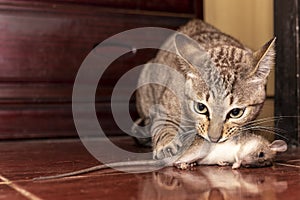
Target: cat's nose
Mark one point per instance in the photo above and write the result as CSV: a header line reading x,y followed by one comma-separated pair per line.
x,y
215,129
214,139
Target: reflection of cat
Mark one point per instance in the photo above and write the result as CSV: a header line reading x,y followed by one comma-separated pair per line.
x,y
223,90
210,183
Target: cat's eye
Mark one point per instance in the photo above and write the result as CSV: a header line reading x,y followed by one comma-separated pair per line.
x,y
200,108
236,113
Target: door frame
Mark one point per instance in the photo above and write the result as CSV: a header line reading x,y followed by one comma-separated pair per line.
x,y
287,69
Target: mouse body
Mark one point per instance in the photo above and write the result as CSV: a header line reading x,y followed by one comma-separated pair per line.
x,y
247,149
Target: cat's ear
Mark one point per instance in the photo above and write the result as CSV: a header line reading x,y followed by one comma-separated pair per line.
x,y
263,61
190,51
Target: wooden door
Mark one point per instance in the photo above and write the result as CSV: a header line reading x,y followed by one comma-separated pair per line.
x,y
287,77
42,45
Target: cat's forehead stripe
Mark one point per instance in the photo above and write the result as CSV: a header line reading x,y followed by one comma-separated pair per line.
x,y
227,56
233,53
207,96
230,100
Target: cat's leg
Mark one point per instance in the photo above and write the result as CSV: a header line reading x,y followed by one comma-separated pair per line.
x,y
141,127
165,143
162,107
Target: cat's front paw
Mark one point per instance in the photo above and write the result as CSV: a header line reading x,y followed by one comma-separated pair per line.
x,y
168,150
184,166
223,163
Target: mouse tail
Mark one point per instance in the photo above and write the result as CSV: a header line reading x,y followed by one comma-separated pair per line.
x,y
75,173
157,163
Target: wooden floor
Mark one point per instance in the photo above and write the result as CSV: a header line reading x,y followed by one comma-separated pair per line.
x,y
22,161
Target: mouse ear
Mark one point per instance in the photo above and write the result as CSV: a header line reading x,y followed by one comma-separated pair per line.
x,y
278,146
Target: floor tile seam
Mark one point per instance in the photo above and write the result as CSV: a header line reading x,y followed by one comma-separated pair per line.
x,y
19,189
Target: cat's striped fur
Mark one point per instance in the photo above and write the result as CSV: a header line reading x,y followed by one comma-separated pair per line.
x,y
223,88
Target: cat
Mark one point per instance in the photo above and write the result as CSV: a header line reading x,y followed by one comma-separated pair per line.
x,y
222,91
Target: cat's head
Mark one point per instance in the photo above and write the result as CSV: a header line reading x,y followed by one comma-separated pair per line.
x,y
225,85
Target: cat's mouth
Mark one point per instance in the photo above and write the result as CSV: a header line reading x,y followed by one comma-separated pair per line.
x,y
220,140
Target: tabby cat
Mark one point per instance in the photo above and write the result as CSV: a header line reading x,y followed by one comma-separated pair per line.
x,y
223,87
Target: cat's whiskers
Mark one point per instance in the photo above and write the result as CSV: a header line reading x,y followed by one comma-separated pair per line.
x,y
268,129
187,126
187,120
264,127
267,119
189,131
261,121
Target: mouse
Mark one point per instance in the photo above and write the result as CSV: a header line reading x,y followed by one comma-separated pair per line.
x,y
247,149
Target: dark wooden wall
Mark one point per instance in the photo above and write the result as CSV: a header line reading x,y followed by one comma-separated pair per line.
x,y
43,43
287,70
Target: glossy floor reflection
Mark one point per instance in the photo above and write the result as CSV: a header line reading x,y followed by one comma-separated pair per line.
x,y
216,183
22,161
